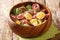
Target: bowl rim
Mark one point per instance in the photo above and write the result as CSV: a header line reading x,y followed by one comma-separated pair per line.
x,y
27,2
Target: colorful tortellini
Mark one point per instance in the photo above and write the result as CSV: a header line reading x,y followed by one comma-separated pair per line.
x,y
29,15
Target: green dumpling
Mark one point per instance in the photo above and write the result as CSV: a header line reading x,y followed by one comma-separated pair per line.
x,y
28,7
17,11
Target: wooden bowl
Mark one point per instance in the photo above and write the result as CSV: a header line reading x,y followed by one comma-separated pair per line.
x,y
30,31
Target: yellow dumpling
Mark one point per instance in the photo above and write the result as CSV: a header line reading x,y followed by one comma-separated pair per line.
x,y
40,15
35,22
28,16
17,22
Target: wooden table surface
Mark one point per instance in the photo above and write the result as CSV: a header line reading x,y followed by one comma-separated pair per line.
x,y
5,6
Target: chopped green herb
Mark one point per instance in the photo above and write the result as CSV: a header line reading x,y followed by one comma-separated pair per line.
x,y
38,22
42,20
